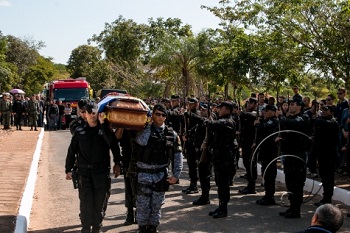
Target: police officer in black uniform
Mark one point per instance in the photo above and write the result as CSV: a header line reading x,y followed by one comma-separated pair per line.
x,y
126,138
294,146
81,119
221,146
192,123
205,161
89,148
325,149
18,108
175,116
247,136
267,152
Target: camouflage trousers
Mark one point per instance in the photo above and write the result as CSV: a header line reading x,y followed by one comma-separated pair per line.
x,y
148,202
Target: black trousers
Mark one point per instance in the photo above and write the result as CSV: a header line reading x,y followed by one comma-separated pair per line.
x,y
222,170
250,166
327,170
295,176
270,174
204,171
93,191
192,162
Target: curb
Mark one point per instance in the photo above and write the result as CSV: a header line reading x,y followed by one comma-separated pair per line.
x,y
22,220
313,186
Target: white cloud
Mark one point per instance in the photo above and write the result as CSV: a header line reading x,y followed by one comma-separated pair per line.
x,y
5,3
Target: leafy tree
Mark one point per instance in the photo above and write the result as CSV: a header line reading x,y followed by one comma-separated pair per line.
x,y
37,75
8,71
318,29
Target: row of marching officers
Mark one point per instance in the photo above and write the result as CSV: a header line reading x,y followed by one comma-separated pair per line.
x,y
292,138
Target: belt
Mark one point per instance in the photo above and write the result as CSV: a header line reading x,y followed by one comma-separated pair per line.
x,y
151,171
91,166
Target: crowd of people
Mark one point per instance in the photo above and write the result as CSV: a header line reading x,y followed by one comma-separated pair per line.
x,y
308,137
17,110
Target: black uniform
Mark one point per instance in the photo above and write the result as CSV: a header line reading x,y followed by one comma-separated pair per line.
x,y
18,108
325,149
267,154
175,117
247,137
193,121
126,144
204,165
89,148
294,144
221,146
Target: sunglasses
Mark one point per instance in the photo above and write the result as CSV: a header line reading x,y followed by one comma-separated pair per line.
x,y
160,114
328,99
340,93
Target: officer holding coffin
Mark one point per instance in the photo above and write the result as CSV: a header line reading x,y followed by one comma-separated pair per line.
x,y
221,146
89,149
154,147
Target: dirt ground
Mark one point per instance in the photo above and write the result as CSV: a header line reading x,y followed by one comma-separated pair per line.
x,y
16,154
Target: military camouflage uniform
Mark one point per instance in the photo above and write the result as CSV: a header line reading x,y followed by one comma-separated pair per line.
x,y
154,148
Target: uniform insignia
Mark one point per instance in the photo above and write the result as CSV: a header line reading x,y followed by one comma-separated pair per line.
x,y
82,132
270,122
80,129
299,119
100,132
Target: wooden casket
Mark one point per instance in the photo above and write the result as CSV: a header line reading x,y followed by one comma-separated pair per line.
x,y
127,112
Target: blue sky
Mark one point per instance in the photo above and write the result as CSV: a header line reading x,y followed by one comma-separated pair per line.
x,y
63,25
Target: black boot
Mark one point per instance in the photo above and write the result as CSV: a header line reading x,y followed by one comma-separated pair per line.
x,y
142,229
152,229
129,217
211,213
202,200
222,212
96,229
191,189
85,229
247,190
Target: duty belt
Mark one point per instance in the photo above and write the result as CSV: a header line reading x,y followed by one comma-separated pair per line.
x,y
151,171
91,166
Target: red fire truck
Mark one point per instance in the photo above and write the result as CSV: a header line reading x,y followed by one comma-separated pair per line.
x,y
69,91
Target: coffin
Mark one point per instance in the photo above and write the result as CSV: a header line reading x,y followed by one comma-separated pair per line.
x,y
127,112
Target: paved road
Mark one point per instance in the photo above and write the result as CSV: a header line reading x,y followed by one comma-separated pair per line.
x,y
55,208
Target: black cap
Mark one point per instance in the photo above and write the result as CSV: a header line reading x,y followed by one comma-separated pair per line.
x,y
270,107
192,100
328,107
82,103
214,104
91,107
165,100
204,106
160,107
227,104
252,100
297,100
174,97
